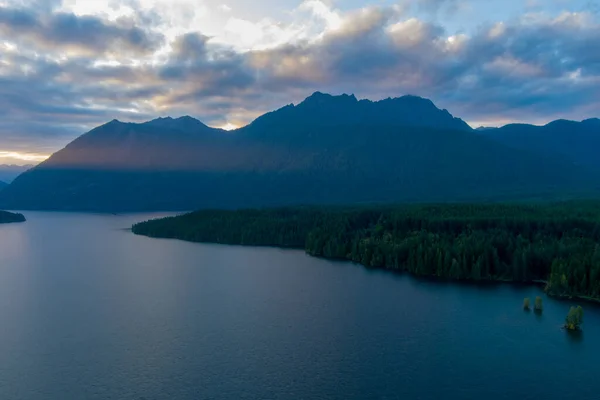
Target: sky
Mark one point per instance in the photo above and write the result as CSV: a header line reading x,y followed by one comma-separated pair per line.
x,y
68,66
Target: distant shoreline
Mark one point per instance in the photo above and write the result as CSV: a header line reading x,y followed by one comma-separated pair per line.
x,y
553,245
9,217
536,282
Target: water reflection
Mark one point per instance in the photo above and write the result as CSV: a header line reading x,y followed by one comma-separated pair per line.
x,y
574,337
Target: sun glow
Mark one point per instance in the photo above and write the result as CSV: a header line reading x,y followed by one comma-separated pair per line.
x,y
229,126
14,157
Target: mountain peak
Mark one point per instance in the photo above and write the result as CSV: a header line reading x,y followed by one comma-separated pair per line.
x,y
414,97
318,94
328,110
320,99
187,118
591,121
159,120
113,122
411,100
183,123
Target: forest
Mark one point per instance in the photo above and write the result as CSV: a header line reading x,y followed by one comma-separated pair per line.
x,y
7,217
554,243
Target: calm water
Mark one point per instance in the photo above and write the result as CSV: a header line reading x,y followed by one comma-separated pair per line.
x,y
90,311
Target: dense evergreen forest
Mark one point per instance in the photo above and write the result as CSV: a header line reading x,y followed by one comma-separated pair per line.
x,y
6,217
557,243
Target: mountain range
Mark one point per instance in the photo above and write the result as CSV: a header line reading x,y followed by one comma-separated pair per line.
x,y
9,172
325,150
577,142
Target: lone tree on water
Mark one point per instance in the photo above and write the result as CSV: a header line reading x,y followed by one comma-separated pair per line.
x,y
538,306
574,318
526,303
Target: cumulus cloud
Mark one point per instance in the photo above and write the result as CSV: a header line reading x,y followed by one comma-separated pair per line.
x,y
61,72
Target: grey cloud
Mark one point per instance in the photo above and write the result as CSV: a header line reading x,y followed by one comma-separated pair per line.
x,y
376,58
190,47
206,71
85,33
17,20
44,111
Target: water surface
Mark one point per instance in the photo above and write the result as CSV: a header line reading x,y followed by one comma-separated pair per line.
x,y
90,311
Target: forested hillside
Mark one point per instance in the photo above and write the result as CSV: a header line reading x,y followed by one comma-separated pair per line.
x,y
7,217
558,243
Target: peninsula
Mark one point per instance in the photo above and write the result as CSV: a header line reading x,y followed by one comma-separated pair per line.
x,y
558,243
7,217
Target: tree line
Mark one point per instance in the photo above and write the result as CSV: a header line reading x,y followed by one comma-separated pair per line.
x,y
8,217
558,243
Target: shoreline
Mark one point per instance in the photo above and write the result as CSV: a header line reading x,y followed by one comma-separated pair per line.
x,y
536,282
7,217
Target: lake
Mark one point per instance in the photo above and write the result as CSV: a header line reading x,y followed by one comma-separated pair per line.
x,y
90,311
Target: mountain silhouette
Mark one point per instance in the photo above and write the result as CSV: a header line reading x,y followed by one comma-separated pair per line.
x,y
577,142
9,172
325,150
325,109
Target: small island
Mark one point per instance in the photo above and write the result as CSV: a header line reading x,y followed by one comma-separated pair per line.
x,y
538,307
8,217
574,319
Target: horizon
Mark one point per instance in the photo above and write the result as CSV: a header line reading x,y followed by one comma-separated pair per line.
x,y
68,66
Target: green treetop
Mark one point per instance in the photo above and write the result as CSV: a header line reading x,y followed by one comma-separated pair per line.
x,y
538,305
574,318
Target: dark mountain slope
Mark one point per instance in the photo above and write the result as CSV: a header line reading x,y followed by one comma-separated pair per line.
x,y
578,142
154,145
9,172
324,109
296,155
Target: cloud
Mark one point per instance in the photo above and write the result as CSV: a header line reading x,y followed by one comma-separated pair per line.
x,y
62,73
77,34
206,71
437,6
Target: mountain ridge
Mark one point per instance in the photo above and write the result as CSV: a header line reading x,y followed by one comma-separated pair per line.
x,y
575,141
325,150
408,110
8,172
